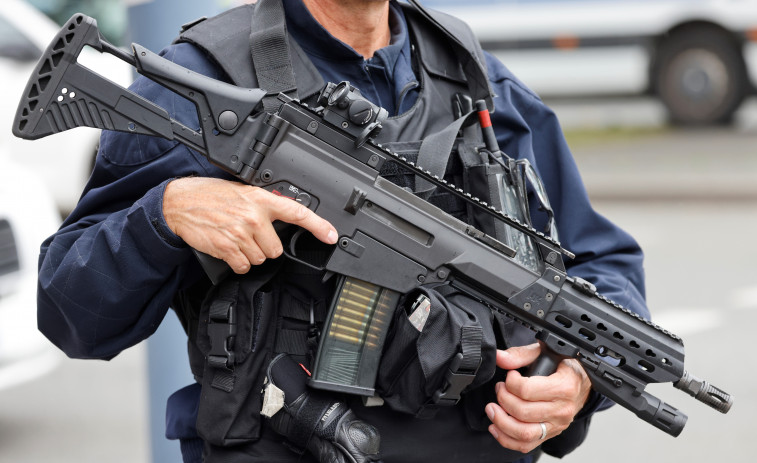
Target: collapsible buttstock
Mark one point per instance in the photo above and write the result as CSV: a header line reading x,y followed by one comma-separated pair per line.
x,y
62,94
32,118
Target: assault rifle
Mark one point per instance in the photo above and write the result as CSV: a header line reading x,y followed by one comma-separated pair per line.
x,y
391,240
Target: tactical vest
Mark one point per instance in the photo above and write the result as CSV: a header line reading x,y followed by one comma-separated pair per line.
x,y
448,63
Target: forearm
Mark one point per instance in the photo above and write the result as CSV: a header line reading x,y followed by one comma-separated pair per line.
x,y
106,280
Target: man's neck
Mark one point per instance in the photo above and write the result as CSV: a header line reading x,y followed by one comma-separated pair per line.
x,y
361,24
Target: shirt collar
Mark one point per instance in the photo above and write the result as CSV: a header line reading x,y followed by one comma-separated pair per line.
x,y
315,40
399,39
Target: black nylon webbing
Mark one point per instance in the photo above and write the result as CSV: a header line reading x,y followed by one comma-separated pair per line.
x,y
223,380
224,302
221,314
269,47
434,154
470,346
308,418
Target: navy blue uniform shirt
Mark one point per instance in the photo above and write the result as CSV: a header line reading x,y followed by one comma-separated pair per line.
x,y
107,277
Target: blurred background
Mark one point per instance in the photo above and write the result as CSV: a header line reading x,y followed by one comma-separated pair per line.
x,y
657,100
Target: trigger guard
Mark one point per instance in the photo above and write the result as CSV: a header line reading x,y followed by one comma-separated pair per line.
x,y
291,253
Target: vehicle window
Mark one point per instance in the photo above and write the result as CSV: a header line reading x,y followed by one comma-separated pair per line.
x,y
15,45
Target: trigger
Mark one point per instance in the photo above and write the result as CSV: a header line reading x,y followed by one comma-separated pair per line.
x,y
290,252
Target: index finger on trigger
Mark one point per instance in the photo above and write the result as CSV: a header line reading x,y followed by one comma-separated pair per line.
x,y
295,213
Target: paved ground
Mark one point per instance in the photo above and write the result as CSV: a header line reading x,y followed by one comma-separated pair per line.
x,y
636,157
87,412
701,285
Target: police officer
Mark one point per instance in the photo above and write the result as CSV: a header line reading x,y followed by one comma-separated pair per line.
x,y
108,276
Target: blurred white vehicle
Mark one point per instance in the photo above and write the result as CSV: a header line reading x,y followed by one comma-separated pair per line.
x,y
698,56
64,161
28,215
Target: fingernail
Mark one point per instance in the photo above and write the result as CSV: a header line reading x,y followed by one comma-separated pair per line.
x,y
490,412
332,236
498,386
494,432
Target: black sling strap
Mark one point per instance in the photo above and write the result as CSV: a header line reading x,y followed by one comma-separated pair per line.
x,y
269,48
435,151
270,51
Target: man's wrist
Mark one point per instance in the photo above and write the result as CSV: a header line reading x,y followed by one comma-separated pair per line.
x,y
153,204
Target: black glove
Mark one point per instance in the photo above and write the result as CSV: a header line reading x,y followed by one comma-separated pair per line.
x,y
318,422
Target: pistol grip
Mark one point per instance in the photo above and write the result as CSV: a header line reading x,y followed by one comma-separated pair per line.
x,y
546,364
214,268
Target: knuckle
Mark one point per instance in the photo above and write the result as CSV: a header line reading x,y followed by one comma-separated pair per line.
x,y
256,255
256,193
230,229
268,251
516,411
571,389
562,416
563,391
524,447
226,248
519,388
524,434
300,212
275,252
238,263
566,414
253,221
240,268
256,196
559,427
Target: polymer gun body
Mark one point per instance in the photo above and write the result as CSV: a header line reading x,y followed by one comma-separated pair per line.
x,y
391,241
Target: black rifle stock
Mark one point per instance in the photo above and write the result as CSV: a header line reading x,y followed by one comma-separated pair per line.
x,y
390,240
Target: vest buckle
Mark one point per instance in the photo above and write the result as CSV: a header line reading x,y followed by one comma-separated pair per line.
x,y
455,383
222,330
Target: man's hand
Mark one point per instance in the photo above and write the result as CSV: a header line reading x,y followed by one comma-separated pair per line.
x,y
525,402
233,221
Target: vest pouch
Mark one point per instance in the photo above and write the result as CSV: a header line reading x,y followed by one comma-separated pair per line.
x,y
453,352
300,319
488,181
237,349
508,333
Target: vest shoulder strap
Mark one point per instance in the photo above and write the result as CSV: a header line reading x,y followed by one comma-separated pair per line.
x,y
449,48
221,37
225,38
